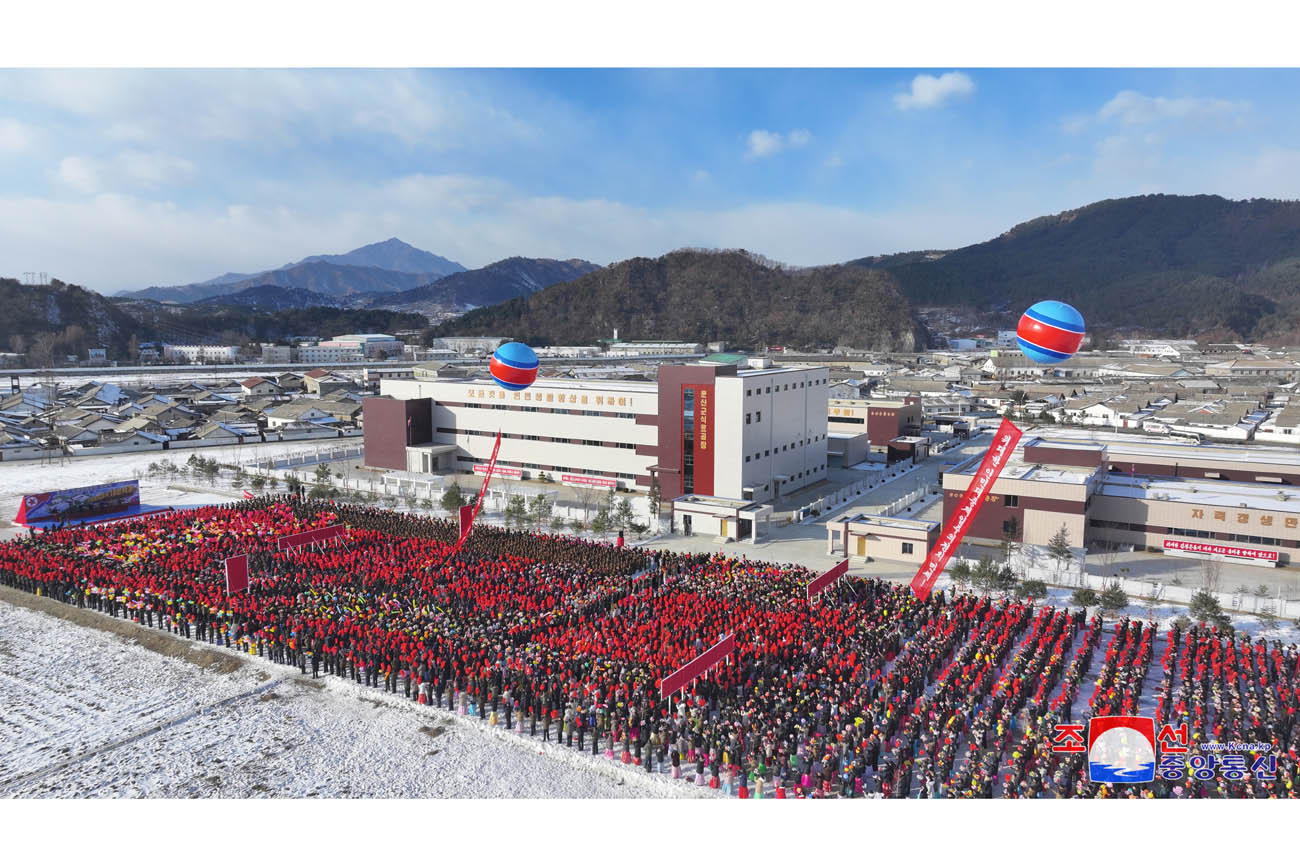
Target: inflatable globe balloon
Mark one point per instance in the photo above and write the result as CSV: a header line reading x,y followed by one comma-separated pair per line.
x,y
514,366
1050,332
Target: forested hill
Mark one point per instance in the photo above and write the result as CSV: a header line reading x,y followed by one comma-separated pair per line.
x,y
1181,265
704,296
48,322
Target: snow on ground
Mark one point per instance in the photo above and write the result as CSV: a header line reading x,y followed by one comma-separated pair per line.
x,y
34,476
90,714
1164,614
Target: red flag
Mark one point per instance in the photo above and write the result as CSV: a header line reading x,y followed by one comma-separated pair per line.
x,y
248,495
478,504
1004,443
236,573
466,519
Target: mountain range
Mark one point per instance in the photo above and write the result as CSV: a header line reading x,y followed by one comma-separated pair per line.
x,y
375,269
709,295
1173,265
500,281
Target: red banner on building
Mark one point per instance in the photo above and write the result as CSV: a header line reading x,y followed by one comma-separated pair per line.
x,y
1221,550
818,584
588,481
698,666
311,536
236,573
1004,443
512,471
704,439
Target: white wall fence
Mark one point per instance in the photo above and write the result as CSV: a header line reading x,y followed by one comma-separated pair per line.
x,y
407,487
307,458
1031,562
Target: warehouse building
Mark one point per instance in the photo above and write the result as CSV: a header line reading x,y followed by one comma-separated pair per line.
x,y
707,430
1240,504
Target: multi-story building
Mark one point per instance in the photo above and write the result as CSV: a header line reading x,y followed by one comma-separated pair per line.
x,y
323,353
1185,500
371,345
716,430
201,354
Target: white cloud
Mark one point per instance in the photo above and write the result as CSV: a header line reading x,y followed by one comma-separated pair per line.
x,y
14,136
762,143
128,171
114,241
927,91
279,107
155,168
1131,108
80,173
833,161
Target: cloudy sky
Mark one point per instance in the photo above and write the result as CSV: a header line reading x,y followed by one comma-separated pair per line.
x,y
124,179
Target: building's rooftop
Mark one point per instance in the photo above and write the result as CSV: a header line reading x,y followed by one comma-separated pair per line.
x,y
1199,491
892,522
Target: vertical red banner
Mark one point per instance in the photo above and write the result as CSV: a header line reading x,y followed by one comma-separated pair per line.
x,y
466,518
478,504
236,573
995,460
704,439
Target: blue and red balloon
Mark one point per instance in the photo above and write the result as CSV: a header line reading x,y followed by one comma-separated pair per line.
x,y
514,366
1050,332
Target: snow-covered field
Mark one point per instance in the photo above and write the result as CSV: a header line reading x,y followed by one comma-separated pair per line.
x,y
91,714
32,476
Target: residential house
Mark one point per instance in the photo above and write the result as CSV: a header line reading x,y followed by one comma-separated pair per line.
x,y
256,386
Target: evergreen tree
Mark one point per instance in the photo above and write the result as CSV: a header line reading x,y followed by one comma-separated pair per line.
x,y
516,510
539,508
601,522
1205,607
1032,589
623,515
1084,597
1112,598
452,498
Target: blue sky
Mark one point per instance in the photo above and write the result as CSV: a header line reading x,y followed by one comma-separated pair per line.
x,y
122,179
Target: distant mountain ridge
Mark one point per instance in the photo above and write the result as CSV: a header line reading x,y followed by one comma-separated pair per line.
x,y
500,281
1178,265
391,255
705,296
269,297
381,268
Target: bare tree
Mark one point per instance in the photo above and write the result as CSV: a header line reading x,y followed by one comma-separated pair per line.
x,y
1211,574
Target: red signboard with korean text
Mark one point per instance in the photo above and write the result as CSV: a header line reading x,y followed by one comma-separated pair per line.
x,y
995,460
588,481
508,471
704,439
698,666
1221,550
820,583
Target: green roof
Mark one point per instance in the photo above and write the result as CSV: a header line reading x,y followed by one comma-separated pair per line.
x,y
725,358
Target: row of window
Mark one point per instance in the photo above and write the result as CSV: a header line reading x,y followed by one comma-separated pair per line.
x,y
1189,533
755,391
454,431
574,470
846,420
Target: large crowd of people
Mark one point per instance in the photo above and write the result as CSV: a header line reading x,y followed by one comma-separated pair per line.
x,y
865,691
